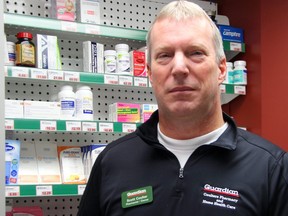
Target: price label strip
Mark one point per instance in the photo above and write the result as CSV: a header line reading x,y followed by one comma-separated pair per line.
x,y
12,191
73,126
48,125
106,127
89,126
44,190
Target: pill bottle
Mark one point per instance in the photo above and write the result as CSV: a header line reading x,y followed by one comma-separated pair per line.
x,y
122,59
110,61
229,73
67,99
84,103
11,53
240,73
25,50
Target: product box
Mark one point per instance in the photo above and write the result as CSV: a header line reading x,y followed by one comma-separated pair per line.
x,y
14,108
41,110
48,54
147,110
63,9
230,33
138,63
27,211
28,168
71,165
124,112
93,57
12,156
88,11
48,163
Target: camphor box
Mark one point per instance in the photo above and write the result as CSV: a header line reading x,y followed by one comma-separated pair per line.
x,y
93,57
48,54
71,165
88,11
230,33
124,112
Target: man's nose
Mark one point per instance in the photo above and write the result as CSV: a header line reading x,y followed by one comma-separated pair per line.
x,y
180,67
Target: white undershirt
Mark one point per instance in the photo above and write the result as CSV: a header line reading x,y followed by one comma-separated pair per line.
x,y
182,149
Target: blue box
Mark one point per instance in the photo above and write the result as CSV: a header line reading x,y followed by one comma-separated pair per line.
x,y
230,33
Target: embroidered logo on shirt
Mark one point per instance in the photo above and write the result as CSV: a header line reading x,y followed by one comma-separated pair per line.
x,y
220,196
137,197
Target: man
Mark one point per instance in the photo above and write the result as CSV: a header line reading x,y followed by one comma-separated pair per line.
x,y
189,158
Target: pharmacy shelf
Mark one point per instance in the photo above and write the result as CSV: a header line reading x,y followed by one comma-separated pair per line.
x,y
233,48
44,190
69,126
56,27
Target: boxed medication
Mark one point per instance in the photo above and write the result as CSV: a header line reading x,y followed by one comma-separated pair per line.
x,y
28,169
41,110
230,33
63,9
12,156
138,63
147,110
71,165
124,112
48,163
14,108
93,57
48,54
88,11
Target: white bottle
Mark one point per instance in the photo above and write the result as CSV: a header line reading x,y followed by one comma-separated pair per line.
x,y
11,53
123,59
84,103
67,100
240,73
229,73
110,61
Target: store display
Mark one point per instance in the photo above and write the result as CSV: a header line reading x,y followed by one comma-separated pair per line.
x,y
25,50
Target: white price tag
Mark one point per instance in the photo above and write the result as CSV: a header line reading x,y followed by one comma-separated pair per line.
x,y
69,26
73,126
240,90
71,76
128,128
235,46
111,79
20,72
106,127
92,29
12,191
89,126
81,189
48,125
140,81
45,190
9,124
223,88
126,80
55,75
37,73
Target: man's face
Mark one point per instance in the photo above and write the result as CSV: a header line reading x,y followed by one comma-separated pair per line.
x,y
183,71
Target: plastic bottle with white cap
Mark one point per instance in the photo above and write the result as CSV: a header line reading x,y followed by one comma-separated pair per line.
x,y
67,100
110,61
84,103
240,73
123,59
229,73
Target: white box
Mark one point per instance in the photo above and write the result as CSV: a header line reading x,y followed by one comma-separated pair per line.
x,y
48,163
93,57
28,168
48,54
14,108
71,165
41,110
88,11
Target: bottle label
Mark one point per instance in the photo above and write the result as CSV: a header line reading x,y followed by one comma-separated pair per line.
x,y
110,65
123,63
25,54
240,77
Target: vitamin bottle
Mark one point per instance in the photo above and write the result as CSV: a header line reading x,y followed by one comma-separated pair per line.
x,y
240,73
123,59
11,53
25,50
110,61
67,100
229,73
84,103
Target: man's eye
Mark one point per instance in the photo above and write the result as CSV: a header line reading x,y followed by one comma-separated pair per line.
x,y
196,53
164,55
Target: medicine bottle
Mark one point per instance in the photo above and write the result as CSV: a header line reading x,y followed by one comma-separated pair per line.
x,y
67,99
229,73
84,103
25,50
110,61
240,73
11,53
123,59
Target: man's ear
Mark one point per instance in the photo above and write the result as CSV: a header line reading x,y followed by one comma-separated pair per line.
x,y
149,73
222,70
